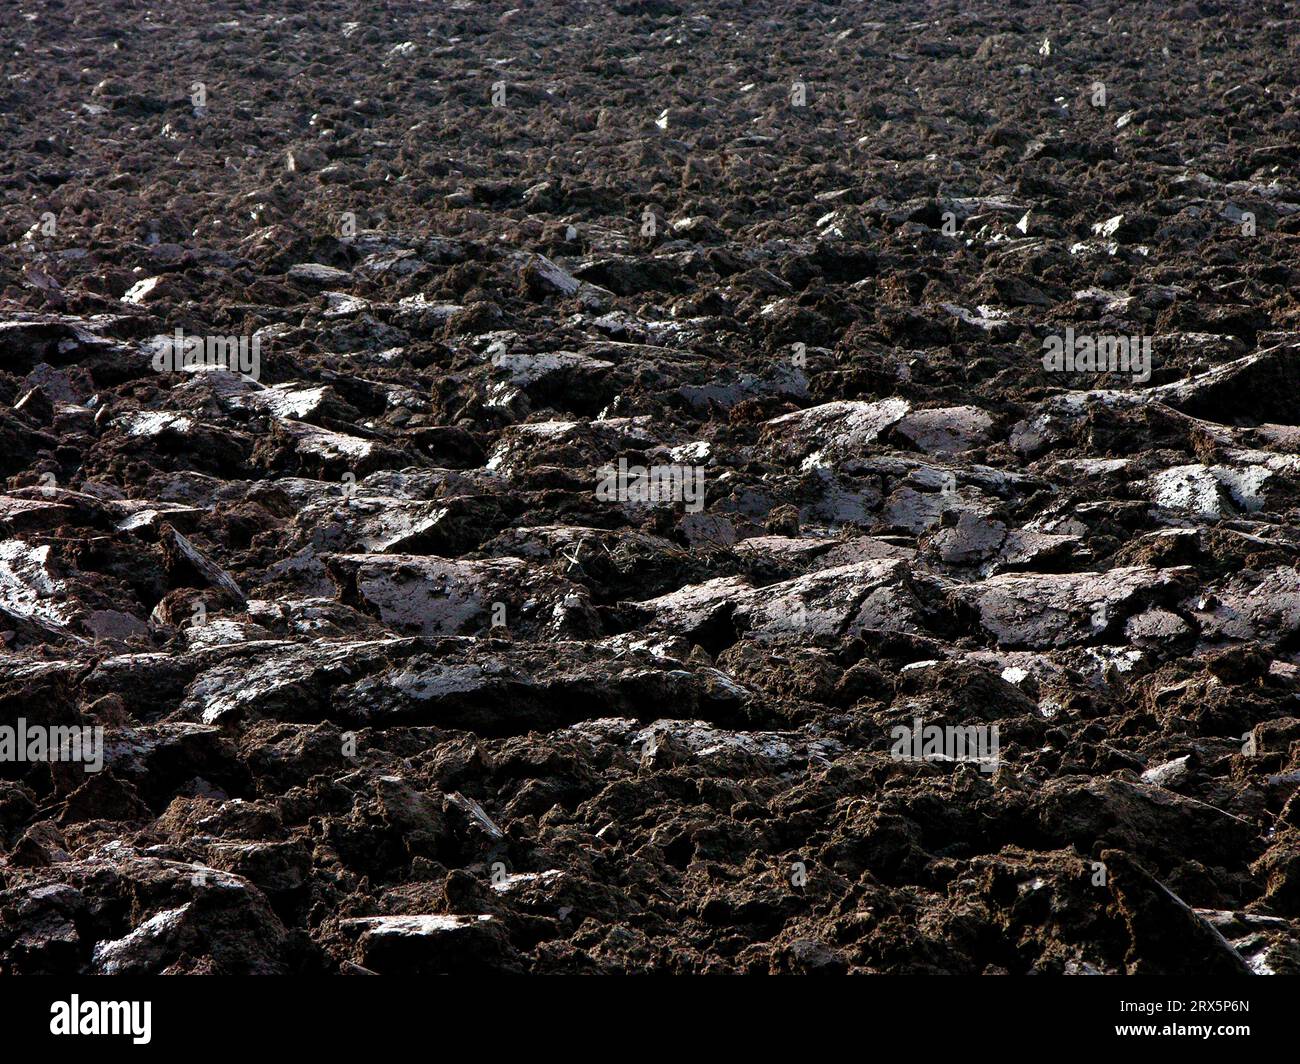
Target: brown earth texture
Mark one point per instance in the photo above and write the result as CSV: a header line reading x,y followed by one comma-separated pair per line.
x,y
627,516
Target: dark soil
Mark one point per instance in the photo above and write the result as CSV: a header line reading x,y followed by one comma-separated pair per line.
x,y
387,685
